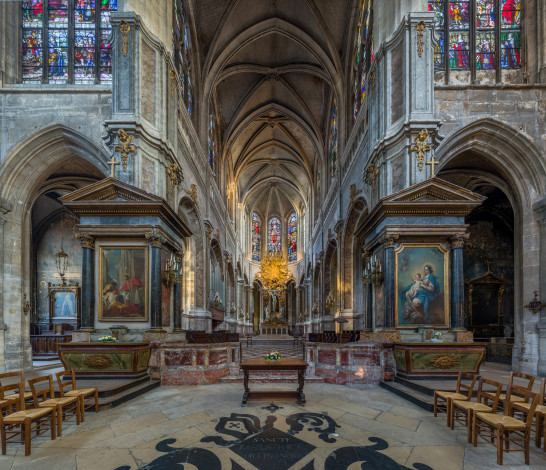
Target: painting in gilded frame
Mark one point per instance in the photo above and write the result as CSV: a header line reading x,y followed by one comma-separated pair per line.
x,y
123,283
422,285
64,303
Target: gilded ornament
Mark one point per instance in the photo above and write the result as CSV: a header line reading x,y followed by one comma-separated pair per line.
x,y
173,80
86,240
274,272
125,147
535,305
372,172
26,305
420,28
389,240
354,193
421,146
448,361
124,28
97,361
155,239
175,174
432,164
458,241
217,234
208,233
192,193
113,163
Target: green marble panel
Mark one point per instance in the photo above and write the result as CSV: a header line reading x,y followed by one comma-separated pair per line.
x,y
143,357
445,361
102,361
400,359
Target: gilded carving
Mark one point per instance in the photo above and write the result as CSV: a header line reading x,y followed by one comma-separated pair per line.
x,y
125,147
420,28
124,28
432,164
354,193
208,233
192,193
113,163
458,241
217,234
97,361
421,146
155,239
175,174
447,361
173,80
86,240
535,305
372,172
389,240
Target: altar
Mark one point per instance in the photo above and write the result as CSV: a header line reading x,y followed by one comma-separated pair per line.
x,y
274,327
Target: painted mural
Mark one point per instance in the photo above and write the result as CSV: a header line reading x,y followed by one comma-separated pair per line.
x,y
422,296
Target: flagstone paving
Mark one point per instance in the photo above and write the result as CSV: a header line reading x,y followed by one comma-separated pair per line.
x,y
205,426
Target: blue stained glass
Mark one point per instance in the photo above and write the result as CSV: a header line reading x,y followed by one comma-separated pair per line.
x,y
32,55
274,237
57,13
510,50
84,56
33,13
57,56
256,237
292,238
485,50
84,13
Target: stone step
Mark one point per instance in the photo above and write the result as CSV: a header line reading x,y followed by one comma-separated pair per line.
x,y
420,399
112,401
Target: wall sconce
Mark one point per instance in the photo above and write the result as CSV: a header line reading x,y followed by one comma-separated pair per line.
x,y
62,264
373,271
26,305
173,271
331,301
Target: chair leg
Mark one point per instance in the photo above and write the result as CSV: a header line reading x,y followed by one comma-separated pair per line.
x,y
538,428
81,404
475,430
78,411
27,437
96,401
3,437
52,418
469,426
59,421
500,434
435,404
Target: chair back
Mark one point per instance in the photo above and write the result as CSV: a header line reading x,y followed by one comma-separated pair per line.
x,y
525,381
41,395
14,387
67,383
461,387
530,397
542,392
492,383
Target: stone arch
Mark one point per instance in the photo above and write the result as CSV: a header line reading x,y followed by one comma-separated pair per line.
x,y
351,254
194,275
23,176
488,151
330,263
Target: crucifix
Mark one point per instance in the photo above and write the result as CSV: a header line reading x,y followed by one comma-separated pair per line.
x,y
432,164
113,165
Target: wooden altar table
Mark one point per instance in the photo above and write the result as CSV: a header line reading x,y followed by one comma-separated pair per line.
x,y
298,365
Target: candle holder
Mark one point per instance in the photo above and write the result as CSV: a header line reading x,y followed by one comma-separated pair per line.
x,y
173,271
373,271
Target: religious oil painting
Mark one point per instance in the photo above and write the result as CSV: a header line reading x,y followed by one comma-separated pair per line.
x,y
123,283
64,302
422,285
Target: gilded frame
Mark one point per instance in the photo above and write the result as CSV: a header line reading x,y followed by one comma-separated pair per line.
x,y
53,291
101,283
445,284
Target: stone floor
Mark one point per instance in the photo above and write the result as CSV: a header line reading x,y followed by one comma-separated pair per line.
x,y
205,427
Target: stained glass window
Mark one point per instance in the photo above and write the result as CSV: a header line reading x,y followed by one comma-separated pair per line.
x,y
332,150
256,237
212,141
292,238
182,52
481,34
363,53
71,29
274,236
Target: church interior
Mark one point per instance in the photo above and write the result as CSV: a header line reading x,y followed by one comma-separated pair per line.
x,y
206,204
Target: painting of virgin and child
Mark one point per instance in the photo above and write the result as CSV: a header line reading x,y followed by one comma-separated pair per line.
x,y
123,277
421,285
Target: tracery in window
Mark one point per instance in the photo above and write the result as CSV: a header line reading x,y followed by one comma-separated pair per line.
x,y
256,237
482,34
212,140
71,29
292,238
274,235
182,53
332,147
363,54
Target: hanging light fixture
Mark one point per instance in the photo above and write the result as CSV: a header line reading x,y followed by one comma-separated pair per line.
x,y
62,257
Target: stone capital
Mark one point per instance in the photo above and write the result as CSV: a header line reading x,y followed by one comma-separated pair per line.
x,y
156,240
458,241
389,239
86,240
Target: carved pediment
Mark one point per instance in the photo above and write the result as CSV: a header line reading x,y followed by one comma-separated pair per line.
x,y
435,189
487,279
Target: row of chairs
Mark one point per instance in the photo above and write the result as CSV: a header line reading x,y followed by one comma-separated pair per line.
x,y
520,405
26,415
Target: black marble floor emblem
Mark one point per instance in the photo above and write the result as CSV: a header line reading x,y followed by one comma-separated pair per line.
x,y
272,408
269,448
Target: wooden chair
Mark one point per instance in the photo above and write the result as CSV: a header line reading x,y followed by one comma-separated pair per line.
x,y
66,407
505,429
24,422
81,393
443,399
463,411
18,376
528,381
540,413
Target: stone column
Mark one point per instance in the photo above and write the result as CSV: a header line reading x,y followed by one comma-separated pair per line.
x,y
369,307
457,281
5,207
88,282
389,241
540,209
156,242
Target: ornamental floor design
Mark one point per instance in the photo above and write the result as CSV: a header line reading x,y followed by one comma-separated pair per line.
x,y
205,428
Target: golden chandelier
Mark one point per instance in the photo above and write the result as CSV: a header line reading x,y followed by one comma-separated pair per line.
x,y
274,274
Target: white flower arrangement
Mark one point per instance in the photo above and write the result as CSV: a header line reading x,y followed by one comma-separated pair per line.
x,y
273,356
438,335
107,339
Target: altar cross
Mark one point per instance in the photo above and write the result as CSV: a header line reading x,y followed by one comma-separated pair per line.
x,y
432,164
113,165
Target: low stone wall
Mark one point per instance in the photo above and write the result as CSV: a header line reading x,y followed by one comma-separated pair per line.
x,y
351,363
197,364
